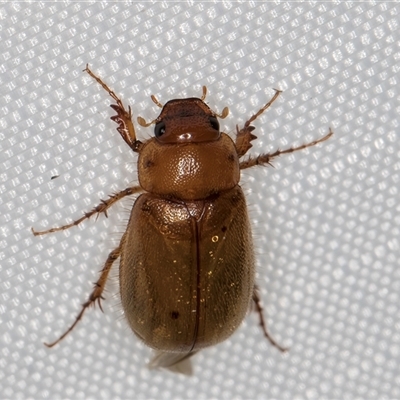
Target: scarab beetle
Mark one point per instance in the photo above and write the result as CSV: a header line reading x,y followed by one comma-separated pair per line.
x,y
186,273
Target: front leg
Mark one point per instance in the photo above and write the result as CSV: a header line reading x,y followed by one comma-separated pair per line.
x,y
123,117
244,135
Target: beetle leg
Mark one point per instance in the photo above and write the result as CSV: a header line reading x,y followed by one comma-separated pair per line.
x,y
244,135
259,309
123,117
266,158
96,295
100,208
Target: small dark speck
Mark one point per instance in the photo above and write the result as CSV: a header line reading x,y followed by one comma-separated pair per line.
x,y
145,206
54,176
224,228
148,163
174,314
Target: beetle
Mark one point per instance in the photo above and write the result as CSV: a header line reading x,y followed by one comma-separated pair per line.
x,y
187,268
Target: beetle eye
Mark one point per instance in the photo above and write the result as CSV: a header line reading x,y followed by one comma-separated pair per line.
x,y
214,123
159,129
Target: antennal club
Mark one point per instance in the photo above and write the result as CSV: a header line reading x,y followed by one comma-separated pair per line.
x,y
155,101
203,96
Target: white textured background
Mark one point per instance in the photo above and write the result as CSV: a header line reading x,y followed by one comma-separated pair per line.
x,y
326,221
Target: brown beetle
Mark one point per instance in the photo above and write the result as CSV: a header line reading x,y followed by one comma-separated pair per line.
x,y
186,258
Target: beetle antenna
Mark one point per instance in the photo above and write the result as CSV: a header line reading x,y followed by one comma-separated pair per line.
x,y
155,101
203,96
142,122
224,113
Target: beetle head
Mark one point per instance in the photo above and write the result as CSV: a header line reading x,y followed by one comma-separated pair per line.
x,y
186,121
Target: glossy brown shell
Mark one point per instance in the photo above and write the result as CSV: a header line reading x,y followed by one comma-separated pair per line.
x,y
187,270
188,171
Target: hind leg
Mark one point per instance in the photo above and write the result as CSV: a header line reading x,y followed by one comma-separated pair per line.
x,y
96,295
259,309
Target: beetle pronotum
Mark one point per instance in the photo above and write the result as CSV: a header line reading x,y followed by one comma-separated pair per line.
x,y
186,270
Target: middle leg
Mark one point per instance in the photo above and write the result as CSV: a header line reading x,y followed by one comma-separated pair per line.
x,y
100,208
266,158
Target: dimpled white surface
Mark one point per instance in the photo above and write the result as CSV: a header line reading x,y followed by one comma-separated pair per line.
x,y
326,220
